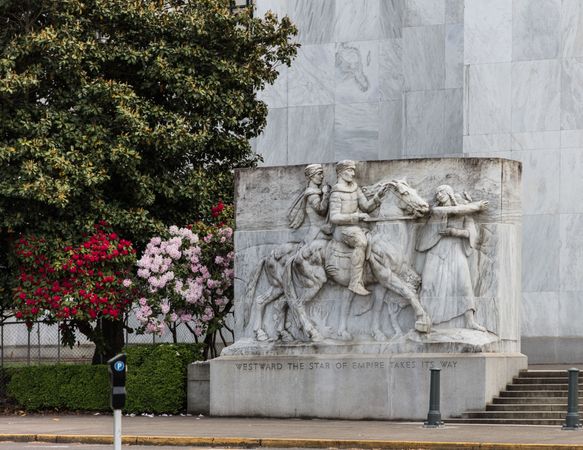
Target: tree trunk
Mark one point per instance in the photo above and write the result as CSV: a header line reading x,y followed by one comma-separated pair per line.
x,y
110,333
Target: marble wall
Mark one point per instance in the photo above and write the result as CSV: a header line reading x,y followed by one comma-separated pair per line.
x,y
379,79
373,79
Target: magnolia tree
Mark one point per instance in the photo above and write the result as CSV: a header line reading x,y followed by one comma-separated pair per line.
x,y
187,275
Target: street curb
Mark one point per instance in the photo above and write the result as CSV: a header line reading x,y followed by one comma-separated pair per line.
x,y
242,442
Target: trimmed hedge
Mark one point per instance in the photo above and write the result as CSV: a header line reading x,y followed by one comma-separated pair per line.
x,y
156,382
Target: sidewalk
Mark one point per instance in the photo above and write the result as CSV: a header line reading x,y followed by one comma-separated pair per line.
x,y
285,433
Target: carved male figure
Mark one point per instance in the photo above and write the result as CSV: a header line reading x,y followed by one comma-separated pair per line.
x,y
348,209
313,202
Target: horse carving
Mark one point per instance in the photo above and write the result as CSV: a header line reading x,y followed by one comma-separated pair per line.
x,y
295,273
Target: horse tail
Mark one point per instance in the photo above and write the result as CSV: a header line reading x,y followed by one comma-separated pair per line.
x,y
289,289
250,290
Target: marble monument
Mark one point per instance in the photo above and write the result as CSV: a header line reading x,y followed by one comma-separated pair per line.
x,y
354,278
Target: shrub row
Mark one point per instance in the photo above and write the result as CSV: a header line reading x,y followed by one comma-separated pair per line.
x,y
156,382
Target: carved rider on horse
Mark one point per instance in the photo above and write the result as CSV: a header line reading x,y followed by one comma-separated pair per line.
x,y
348,209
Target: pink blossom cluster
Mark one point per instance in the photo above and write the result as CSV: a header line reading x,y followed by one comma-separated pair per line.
x,y
188,280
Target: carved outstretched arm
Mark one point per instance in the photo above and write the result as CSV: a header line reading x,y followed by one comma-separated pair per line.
x,y
460,210
368,205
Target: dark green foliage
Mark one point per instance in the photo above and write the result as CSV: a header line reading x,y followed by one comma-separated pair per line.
x,y
156,382
62,387
133,112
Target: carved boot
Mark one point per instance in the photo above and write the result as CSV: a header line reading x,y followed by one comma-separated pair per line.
x,y
357,271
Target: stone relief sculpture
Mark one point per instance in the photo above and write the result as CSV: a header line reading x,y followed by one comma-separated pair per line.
x,y
313,203
448,238
348,210
297,272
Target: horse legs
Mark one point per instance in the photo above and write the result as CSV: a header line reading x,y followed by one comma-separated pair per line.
x,y
423,321
298,305
393,283
262,301
344,312
377,308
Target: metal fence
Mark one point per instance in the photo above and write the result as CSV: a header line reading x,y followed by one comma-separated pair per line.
x,y
41,343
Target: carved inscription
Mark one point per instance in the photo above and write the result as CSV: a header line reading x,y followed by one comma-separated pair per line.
x,y
344,365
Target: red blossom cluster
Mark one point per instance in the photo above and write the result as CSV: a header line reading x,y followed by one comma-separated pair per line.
x,y
217,209
83,281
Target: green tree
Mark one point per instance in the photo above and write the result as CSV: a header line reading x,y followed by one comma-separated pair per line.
x,y
130,111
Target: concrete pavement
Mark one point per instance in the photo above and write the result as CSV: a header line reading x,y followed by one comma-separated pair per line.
x,y
183,431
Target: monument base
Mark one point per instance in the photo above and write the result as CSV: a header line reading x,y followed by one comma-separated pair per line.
x,y
356,386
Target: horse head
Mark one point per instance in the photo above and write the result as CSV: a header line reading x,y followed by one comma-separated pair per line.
x,y
409,200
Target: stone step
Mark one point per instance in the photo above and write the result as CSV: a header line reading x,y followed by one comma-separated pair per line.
x,y
531,400
561,407
558,415
533,393
536,387
543,373
508,421
541,380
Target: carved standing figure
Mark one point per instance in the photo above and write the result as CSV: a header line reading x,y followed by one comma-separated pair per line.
x,y
313,202
348,209
448,238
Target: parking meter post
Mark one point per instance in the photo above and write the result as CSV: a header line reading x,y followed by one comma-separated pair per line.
x,y
117,376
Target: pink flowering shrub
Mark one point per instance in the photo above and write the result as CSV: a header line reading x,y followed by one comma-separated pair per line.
x,y
187,279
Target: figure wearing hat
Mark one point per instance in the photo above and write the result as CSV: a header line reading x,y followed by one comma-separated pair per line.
x,y
348,209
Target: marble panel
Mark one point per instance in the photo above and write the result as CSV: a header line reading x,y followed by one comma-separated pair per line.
x,y
454,11
453,121
570,313
489,98
536,140
278,7
488,31
424,12
356,72
540,314
272,143
356,131
424,122
540,172
536,95
571,181
536,29
391,69
541,248
572,94
454,55
571,138
391,18
312,128
424,57
357,20
390,129
314,19
275,95
571,268
311,76
572,28
487,143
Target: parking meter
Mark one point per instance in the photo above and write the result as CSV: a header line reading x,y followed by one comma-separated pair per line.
x,y
117,375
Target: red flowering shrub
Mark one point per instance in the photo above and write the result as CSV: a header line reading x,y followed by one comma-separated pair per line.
x,y
74,283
